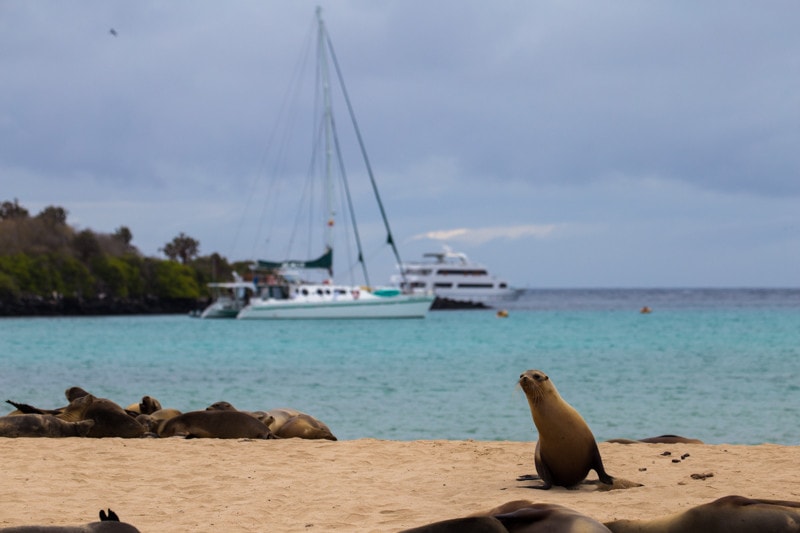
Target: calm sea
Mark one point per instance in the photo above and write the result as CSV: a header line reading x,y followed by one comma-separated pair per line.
x,y
719,365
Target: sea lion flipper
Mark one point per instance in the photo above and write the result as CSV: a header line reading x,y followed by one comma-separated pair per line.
x,y
597,465
26,409
110,517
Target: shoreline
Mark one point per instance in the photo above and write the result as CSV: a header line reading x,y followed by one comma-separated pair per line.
x,y
355,485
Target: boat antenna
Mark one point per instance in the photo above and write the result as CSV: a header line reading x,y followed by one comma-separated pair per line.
x,y
389,238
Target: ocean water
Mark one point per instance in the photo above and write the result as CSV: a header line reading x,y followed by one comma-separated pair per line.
x,y
719,365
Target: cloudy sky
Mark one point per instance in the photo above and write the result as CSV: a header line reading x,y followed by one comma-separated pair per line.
x,y
562,143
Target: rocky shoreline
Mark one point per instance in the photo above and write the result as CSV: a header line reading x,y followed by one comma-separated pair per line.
x,y
71,306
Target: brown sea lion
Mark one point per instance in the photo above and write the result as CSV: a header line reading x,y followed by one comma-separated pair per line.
x,y
519,516
147,406
661,439
36,425
304,426
215,424
110,419
73,393
280,416
566,449
109,523
263,416
727,514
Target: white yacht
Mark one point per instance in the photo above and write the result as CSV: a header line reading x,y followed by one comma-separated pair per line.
x,y
454,280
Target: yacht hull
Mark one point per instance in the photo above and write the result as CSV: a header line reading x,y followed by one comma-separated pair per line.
x,y
402,306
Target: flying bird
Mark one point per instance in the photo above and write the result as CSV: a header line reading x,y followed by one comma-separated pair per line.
x,y
113,32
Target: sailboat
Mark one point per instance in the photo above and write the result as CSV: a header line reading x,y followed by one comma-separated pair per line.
x,y
285,293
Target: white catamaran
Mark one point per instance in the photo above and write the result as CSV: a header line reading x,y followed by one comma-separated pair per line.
x,y
284,294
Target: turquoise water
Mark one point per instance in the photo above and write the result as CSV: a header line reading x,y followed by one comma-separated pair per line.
x,y
722,366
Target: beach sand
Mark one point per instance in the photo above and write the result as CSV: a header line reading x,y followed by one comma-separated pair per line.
x,y
360,485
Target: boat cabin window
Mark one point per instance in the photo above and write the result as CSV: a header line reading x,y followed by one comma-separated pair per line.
x,y
443,285
305,292
417,284
278,292
475,285
461,272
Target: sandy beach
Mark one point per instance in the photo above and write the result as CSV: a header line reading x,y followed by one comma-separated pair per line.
x,y
360,485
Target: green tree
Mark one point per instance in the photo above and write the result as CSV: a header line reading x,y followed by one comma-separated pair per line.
x,y
10,211
86,245
53,216
182,247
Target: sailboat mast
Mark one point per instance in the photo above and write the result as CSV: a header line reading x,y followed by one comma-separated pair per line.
x,y
389,237
326,97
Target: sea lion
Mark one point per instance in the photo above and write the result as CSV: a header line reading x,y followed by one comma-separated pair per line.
x,y
110,419
304,426
215,424
290,423
147,406
519,516
661,439
109,523
729,513
566,449
280,416
263,416
36,425
73,393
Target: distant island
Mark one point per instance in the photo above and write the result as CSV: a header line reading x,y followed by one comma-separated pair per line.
x,y
48,268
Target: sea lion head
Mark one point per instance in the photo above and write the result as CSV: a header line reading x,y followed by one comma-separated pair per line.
x,y
74,393
536,384
149,405
221,406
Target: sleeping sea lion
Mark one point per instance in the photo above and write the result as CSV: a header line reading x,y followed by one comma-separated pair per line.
x,y
566,449
215,425
304,426
661,439
109,523
730,513
35,425
263,416
518,516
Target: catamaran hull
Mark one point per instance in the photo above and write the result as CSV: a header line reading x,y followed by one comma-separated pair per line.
x,y
394,307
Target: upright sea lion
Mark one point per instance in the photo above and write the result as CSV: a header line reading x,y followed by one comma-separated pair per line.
x,y
36,425
730,513
215,425
109,523
566,449
519,516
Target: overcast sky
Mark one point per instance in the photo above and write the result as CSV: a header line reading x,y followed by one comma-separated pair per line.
x,y
561,143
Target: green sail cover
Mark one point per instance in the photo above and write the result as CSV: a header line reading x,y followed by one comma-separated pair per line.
x,y
324,261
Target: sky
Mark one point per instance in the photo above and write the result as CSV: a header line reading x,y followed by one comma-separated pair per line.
x,y
560,143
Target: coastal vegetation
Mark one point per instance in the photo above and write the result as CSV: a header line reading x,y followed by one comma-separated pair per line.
x,y
48,266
